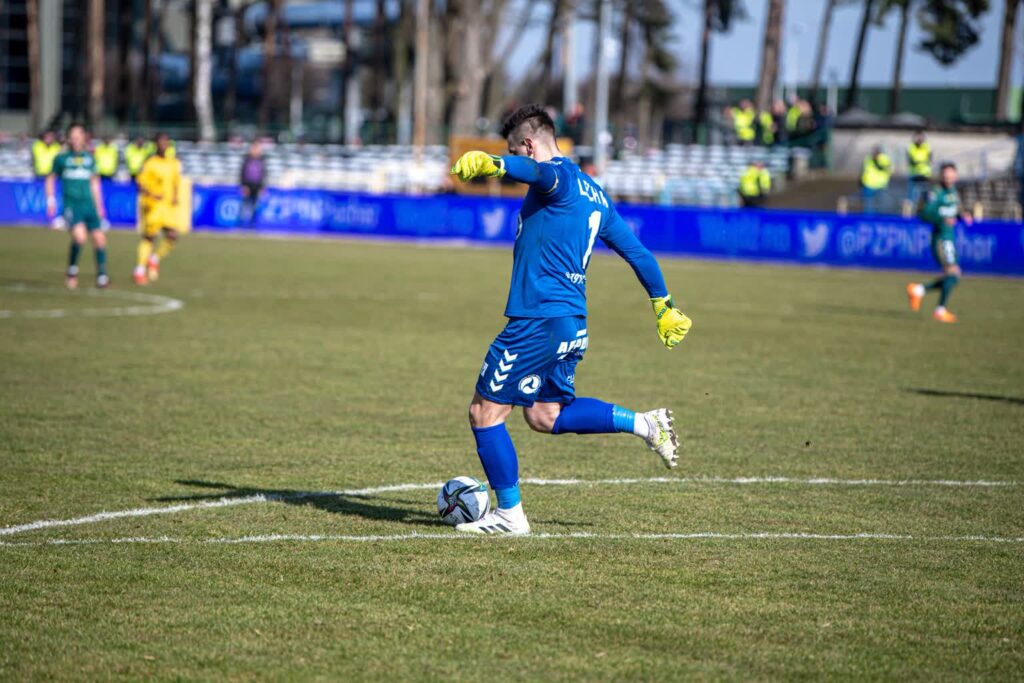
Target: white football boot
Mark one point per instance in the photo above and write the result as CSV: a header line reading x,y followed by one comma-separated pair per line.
x,y
662,437
510,522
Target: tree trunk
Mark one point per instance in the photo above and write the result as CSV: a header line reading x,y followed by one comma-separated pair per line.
x,y
141,94
126,39
770,55
202,39
35,76
548,57
346,67
466,28
269,58
853,90
700,109
897,70
231,94
94,109
422,75
819,58
621,101
1006,51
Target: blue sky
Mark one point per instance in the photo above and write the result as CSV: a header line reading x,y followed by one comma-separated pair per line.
x,y
735,56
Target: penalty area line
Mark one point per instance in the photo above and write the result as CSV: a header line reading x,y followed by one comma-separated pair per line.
x,y
270,497
151,304
385,538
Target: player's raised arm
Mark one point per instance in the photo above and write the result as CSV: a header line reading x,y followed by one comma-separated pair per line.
x,y
672,323
478,164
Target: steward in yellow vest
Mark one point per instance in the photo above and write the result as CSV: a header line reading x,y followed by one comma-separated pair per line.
x,y
919,157
106,155
755,184
877,171
135,155
743,118
766,126
44,151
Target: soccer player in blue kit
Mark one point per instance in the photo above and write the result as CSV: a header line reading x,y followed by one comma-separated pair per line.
x,y
532,363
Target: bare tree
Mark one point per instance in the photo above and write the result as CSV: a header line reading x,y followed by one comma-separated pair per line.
x,y
770,54
621,99
147,91
1006,50
231,95
94,110
718,16
202,68
35,76
862,36
269,59
822,49
470,37
548,57
896,91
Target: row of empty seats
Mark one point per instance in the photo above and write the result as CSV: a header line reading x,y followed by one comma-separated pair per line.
x,y
677,174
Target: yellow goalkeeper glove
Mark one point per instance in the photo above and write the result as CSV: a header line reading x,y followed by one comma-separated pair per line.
x,y
478,165
672,324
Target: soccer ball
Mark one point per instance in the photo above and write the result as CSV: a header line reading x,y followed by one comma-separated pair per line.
x,y
462,499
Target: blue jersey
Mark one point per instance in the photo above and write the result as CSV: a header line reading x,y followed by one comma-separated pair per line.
x,y
562,217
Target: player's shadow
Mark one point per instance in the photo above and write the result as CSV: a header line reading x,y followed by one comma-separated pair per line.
x,y
365,506
1013,400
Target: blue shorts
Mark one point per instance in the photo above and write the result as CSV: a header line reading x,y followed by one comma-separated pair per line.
x,y
534,359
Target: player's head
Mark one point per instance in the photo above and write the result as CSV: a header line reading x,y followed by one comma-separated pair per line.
x,y
76,137
530,132
48,136
162,141
948,174
255,148
918,136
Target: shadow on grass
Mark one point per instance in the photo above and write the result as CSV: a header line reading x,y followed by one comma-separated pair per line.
x,y
367,507
1013,400
863,311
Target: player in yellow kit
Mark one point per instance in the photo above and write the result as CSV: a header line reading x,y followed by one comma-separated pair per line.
x,y
164,208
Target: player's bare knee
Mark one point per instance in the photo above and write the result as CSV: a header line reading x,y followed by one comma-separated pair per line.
x,y
540,420
483,413
99,240
78,235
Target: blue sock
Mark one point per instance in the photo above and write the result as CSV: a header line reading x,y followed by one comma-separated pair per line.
x,y
498,456
593,416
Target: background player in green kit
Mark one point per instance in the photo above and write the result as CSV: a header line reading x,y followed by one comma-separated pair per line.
x,y
942,210
83,204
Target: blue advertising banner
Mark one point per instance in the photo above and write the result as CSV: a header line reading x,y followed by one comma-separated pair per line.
x,y
783,236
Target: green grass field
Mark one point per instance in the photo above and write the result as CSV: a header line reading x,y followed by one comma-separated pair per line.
x,y
312,366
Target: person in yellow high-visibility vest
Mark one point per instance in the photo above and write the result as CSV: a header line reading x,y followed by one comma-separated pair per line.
x,y
135,155
743,120
919,163
874,177
107,159
755,184
766,128
44,152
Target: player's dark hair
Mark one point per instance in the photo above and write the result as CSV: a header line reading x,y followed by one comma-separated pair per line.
x,y
532,115
75,124
161,134
945,165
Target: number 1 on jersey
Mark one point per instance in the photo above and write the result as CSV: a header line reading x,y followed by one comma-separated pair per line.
x,y
594,223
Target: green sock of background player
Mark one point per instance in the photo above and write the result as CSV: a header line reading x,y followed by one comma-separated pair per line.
x,y
101,262
73,254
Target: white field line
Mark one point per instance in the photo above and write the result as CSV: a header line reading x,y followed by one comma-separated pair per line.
x,y
374,490
384,538
152,304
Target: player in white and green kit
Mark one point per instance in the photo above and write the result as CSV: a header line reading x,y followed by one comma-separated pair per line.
x,y
942,211
83,204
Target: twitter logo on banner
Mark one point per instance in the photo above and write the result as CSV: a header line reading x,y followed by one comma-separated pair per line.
x,y
815,239
494,222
